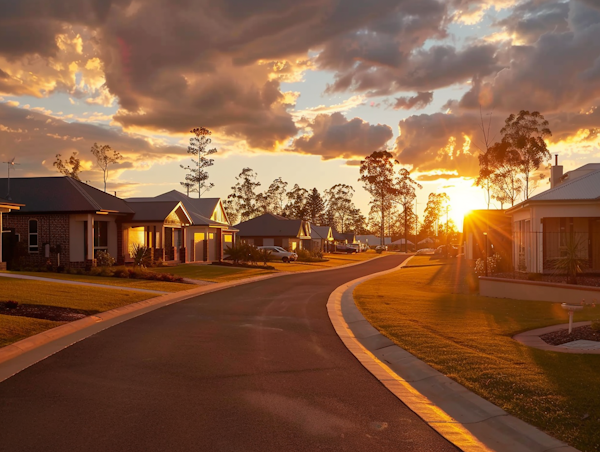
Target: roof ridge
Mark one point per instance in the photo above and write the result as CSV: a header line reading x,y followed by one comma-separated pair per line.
x,y
83,192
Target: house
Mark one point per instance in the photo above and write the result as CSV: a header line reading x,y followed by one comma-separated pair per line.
x,y
5,239
63,222
427,242
373,240
343,238
274,230
400,244
321,238
491,228
209,231
565,218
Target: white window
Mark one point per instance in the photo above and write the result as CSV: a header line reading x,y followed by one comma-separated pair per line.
x,y
33,236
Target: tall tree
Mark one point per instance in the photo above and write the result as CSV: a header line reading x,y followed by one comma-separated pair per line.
x,y
340,209
105,156
504,163
315,207
296,208
484,180
377,174
435,209
274,199
188,186
407,194
198,175
243,201
70,167
525,133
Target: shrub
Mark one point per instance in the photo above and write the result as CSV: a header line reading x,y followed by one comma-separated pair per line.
x,y
309,256
596,325
121,272
264,256
95,271
236,252
535,276
11,304
492,265
379,250
104,259
141,255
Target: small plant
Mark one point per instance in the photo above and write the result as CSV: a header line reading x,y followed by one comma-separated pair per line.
x,y
264,255
596,325
236,252
492,265
104,259
141,255
11,304
570,263
121,272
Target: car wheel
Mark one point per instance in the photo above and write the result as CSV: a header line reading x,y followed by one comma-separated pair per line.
x,y
285,260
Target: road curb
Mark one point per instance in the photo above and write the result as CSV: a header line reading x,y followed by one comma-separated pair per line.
x,y
26,352
459,415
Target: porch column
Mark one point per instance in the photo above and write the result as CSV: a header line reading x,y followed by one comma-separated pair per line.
x,y
163,243
90,240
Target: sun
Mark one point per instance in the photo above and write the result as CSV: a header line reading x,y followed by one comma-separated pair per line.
x,y
464,197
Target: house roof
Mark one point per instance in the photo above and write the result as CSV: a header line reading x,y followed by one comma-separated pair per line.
x,y
200,210
61,194
269,225
581,184
372,239
401,242
10,204
319,232
156,211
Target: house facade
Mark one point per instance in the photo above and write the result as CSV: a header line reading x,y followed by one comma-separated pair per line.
x,y
372,240
563,219
321,239
274,230
209,231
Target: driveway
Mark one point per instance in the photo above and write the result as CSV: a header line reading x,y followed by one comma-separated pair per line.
x,y
256,367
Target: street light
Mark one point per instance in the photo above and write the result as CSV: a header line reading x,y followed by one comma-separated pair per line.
x,y
486,254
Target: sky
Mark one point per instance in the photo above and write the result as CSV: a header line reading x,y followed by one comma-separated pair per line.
x,y
298,90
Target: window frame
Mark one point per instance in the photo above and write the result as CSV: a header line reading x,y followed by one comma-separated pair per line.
x,y
31,234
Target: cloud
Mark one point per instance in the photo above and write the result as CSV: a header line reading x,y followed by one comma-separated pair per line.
x,y
421,100
334,136
432,177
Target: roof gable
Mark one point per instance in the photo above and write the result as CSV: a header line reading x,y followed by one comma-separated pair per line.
x,y
269,225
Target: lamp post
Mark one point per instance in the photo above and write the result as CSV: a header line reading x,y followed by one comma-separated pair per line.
x,y
486,254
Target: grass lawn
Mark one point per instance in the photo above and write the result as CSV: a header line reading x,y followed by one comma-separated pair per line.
x,y
94,299
427,310
111,281
214,273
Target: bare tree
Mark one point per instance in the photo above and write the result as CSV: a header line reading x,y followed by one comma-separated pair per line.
x,y
198,176
105,156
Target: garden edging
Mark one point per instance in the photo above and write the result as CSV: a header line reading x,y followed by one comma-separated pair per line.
x,y
462,417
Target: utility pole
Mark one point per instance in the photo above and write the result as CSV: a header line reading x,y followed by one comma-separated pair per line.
x,y
9,164
416,221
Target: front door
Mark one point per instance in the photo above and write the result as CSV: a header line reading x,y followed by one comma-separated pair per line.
x,y
169,251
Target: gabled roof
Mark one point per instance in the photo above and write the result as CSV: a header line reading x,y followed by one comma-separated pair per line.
x,y
584,187
320,232
199,209
372,239
401,242
61,194
269,225
157,211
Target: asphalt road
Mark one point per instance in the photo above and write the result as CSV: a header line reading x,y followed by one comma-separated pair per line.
x,y
252,368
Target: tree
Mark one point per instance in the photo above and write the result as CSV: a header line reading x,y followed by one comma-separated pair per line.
x,y
274,199
70,168
188,186
525,134
296,208
105,156
243,201
505,163
198,175
436,207
377,174
485,170
406,196
340,209
315,207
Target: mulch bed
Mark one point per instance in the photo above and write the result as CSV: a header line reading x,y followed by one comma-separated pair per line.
x,y
585,333
53,313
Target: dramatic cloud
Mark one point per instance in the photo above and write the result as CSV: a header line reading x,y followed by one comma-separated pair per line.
x,y
421,100
333,136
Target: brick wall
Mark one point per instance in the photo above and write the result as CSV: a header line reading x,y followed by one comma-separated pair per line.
x,y
52,229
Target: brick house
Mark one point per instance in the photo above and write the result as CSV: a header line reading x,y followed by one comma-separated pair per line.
x,y
274,230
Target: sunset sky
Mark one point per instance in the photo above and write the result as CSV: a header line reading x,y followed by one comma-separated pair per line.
x,y
298,89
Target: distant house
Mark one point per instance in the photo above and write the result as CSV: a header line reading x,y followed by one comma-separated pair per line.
x,y
373,240
343,238
6,240
63,221
563,219
210,231
274,230
427,242
399,244
322,238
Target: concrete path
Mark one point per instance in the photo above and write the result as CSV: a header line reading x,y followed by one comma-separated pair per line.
x,y
469,421
79,283
257,367
532,339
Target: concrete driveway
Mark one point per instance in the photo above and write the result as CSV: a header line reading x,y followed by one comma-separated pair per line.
x,y
251,368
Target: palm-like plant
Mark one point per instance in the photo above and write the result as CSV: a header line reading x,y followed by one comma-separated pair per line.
x,y
236,253
264,255
570,263
141,255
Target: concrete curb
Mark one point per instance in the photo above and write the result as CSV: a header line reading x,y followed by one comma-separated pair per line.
x,y
532,339
24,353
459,415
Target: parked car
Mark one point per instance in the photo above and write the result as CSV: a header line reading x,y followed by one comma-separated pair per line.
x,y
278,252
381,248
425,251
347,249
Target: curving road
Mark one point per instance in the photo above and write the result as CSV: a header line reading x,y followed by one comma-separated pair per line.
x,y
256,367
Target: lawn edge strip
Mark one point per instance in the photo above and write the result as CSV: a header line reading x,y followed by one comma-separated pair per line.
x,y
19,355
466,420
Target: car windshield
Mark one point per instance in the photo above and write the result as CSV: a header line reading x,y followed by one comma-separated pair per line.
x,y
279,249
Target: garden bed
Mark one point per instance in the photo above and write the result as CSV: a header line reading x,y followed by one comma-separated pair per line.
x,y
44,312
582,333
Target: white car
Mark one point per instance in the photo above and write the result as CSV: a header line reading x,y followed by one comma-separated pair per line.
x,y
279,253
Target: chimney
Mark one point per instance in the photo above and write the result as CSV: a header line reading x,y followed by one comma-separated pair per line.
x,y
556,172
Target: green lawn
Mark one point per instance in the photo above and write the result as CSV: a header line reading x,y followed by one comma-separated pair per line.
x,y
428,311
213,273
111,281
92,299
